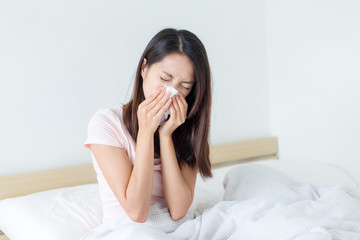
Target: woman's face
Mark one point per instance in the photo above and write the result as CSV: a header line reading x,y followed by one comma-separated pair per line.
x,y
174,70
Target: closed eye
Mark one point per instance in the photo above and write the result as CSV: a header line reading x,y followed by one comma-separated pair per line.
x,y
164,79
170,80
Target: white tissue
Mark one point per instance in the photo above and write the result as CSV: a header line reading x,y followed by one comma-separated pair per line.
x,y
167,112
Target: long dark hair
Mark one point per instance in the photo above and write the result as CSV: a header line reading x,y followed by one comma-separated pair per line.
x,y
191,139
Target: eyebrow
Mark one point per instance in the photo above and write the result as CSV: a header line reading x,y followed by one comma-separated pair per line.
x,y
173,77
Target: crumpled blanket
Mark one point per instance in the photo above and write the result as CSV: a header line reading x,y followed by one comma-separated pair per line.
x,y
329,213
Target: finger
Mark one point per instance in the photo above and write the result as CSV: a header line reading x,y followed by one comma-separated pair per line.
x,y
172,110
155,101
183,105
179,107
152,96
183,100
164,108
161,103
176,103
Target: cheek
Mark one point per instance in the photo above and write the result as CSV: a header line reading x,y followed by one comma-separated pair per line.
x,y
185,92
147,87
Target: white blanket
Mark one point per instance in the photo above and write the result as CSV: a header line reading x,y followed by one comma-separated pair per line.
x,y
291,210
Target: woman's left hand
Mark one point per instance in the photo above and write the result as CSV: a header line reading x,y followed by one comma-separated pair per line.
x,y
178,111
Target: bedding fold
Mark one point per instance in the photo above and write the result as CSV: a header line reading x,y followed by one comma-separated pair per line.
x,y
250,211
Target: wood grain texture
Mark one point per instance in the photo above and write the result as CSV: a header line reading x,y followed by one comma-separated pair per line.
x,y
221,155
3,237
23,184
243,151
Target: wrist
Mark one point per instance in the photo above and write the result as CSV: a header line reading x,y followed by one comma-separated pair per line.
x,y
145,133
165,135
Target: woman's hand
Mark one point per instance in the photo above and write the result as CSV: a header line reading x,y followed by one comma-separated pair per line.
x,y
151,110
178,111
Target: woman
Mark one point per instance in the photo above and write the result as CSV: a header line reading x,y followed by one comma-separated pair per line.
x,y
138,162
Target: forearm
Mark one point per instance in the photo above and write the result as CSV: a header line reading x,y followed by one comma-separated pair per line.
x,y
177,193
139,190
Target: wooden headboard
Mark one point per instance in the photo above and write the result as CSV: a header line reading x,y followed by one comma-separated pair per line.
x,y
221,155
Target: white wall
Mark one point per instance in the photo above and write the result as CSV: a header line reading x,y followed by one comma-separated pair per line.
x,y
314,80
60,61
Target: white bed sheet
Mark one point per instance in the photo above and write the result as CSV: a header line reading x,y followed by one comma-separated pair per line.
x,y
260,202
19,220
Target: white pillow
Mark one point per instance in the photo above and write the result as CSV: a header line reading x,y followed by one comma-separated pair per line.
x,y
260,181
209,192
312,171
63,213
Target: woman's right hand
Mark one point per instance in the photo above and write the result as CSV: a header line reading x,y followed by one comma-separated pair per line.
x,y
152,109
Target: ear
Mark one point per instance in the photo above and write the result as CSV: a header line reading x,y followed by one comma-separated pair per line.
x,y
143,67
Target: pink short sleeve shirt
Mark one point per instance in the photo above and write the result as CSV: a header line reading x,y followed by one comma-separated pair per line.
x,y
106,127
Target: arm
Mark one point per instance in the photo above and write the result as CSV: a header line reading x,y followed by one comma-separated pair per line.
x,y
178,184
132,185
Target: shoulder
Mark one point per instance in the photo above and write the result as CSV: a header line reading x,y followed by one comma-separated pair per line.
x,y
106,127
112,115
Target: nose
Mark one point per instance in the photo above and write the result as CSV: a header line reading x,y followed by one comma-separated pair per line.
x,y
173,85
177,89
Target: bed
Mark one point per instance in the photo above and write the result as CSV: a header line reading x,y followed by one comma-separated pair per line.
x,y
253,195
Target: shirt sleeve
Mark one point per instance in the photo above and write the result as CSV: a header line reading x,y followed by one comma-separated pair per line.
x,y
104,128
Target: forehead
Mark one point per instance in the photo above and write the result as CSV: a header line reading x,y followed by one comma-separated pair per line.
x,y
178,65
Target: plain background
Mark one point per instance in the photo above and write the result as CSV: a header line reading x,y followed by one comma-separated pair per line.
x,y
280,68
